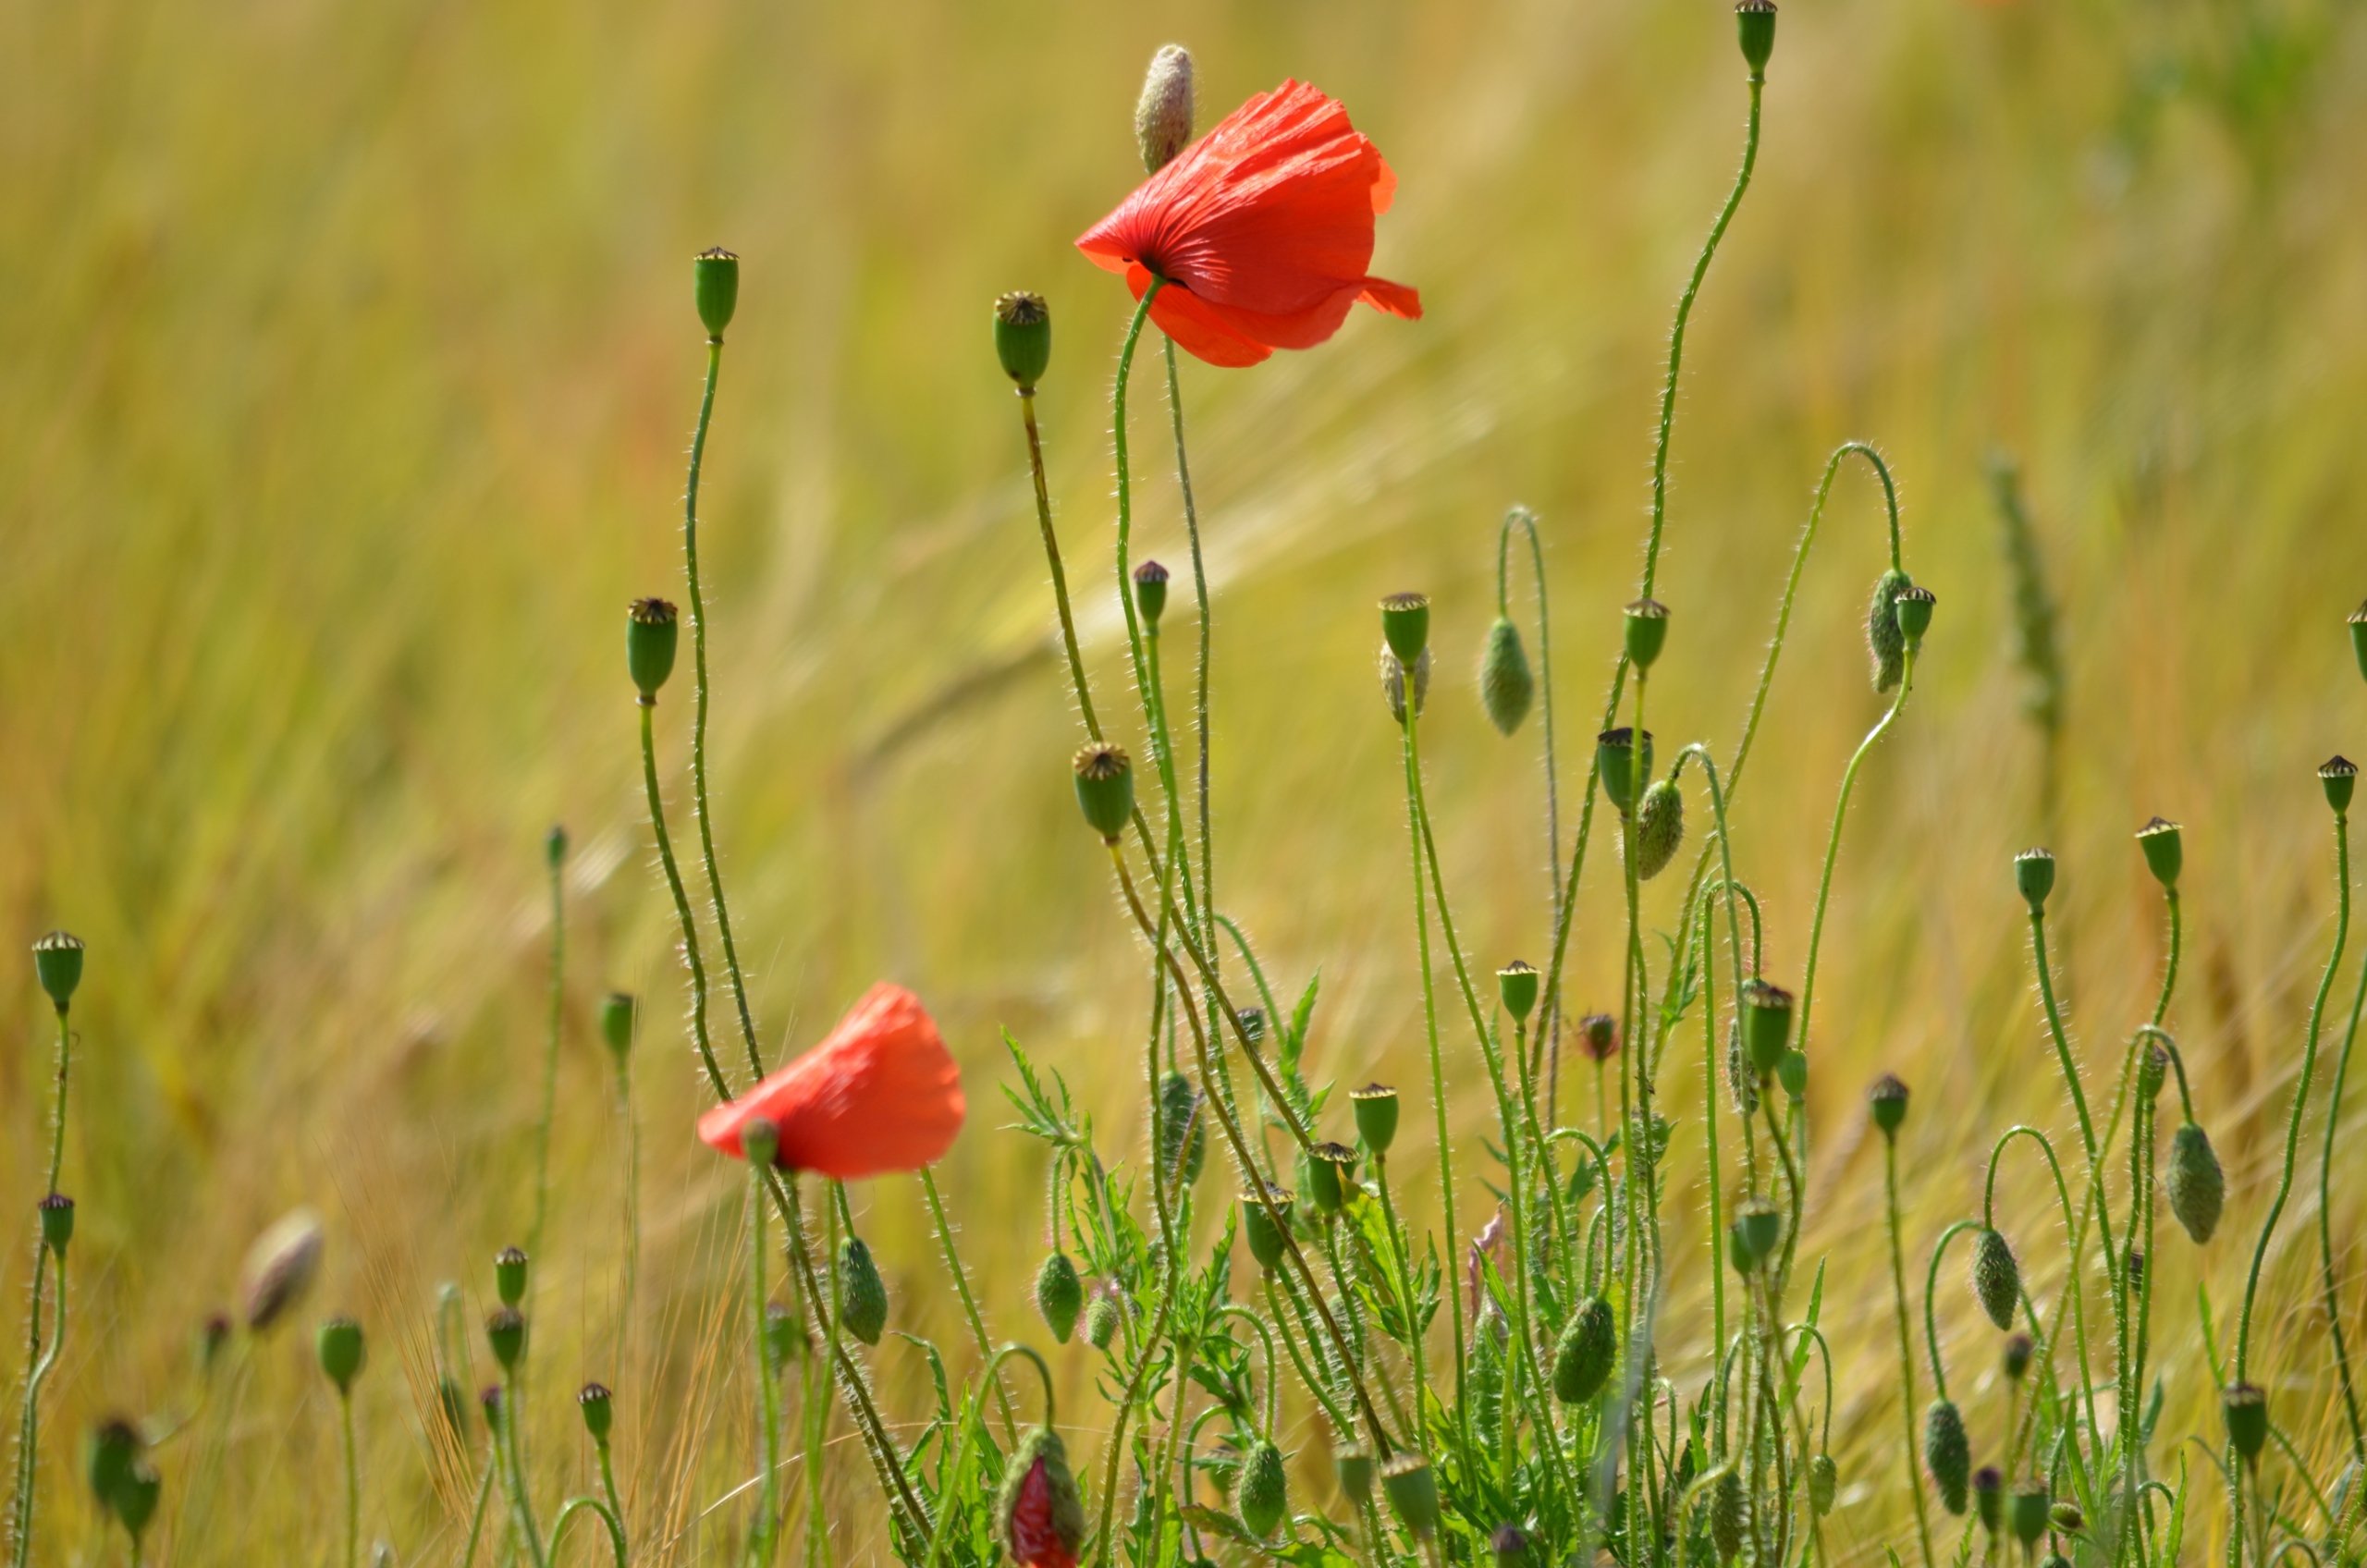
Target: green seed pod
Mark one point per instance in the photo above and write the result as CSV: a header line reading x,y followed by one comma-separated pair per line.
x,y
1644,628
2065,1518
1729,1515
1914,607
1353,1464
505,1333
1755,22
509,1275
2197,1186
57,1222
784,1335
1624,774
616,1024
714,284
1766,1025
1996,1278
2034,877
1260,1497
760,1142
2026,1511
1507,686
1150,593
863,1294
1376,1109
2246,1407
1885,644
1413,1491
1327,1175
338,1344
1183,1130
1509,1545
2341,777
1163,114
1041,1510
1886,1101
1824,1484
1392,684
108,1458
1260,1228
2358,638
1060,1295
1739,1257
1989,1498
1023,337
599,1410
1105,788
2165,855
2017,1356
58,962
1659,828
1946,1452
136,1498
1405,624
1100,1322
652,633
1583,1356
1517,988
279,1268
1792,1072
1761,1225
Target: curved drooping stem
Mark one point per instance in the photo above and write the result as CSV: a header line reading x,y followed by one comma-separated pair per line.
x,y
1930,1293
2070,1230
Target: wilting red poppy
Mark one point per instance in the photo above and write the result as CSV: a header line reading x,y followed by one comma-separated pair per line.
x,y
880,1094
1262,228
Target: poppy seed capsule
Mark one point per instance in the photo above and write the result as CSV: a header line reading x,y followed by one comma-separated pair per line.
x,y
1413,1491
1392,684
1507,686
652,633
1328,1172
1761,1226
338,1344
2245,1405
1261,1496
1376,1109
1023,337
1182,1131
1913,606
2341,777
1353,1464
108,1458
1729,1514
2034,877
1163,114
1755,25
2165,855
509,1275
1885,644
504,1334
57,1222
1886,1102
1824,1484
714,284
1041,1510
1659,828
1059,1295
1996,1278
1150,593
58,962
2028,1511
1582,1358
863,1294
1946,1452
1624,774
1989,1498
2198,1187
2359,637
1644,627
616,1024
2017,1356
1766,1025
1598,1036
1264,1229
1105,788
599,1410
1405,624
1517,988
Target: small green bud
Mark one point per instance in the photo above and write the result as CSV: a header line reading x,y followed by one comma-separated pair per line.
x,y
1887,1103
2341,777
1885,644
1405,624
1659,828
599,1410
616,1024
2028,1511
1265,1230
1598,1036
2065,1517
57,1222
1183,1130
509,1275
2359,637
1624,774
1392,684
1100,1321
1376,1108
1150,593
1996,1278
1413,1491
113,1451
2153,1072
1353,1464
1105,788
784,1334
863,1294
2164,856
2246,1407
1328,1171
1507,686
555,845
1824,1484
1759,1226
1509,1545
652,633
1729,1514
1260,1497
1645,624
1163,114
338,1344
1914,607
715,283
1024,338
57,962
2034,877
2017,1356
760,1142
1792,1072
1766,1025
1582,1355
1755,23
1252,1021
504,1334
136,1499
489,1401
1060,1295
1989,1498
1946,1452
2198,1187
1038,1503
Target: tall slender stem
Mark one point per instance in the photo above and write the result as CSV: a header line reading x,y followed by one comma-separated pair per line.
x,y
2326,1235
1200,671
1525,521
551,1043
767,1382
1077,682
960,1273
1411,728
1906,1348
691,955
353,1483
29,1424
522,1507
1832,842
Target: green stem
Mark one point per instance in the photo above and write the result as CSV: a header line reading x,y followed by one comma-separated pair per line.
x,y
767,1382
616,1502
28,1429
550,1051
1525,519
1077,682
1930,1293
2071,1230
960,1273
690,957
1200,673
2326,1236
353,1485
631,1263
522,1507
1905,1348
476,1515
576,1505
27,1469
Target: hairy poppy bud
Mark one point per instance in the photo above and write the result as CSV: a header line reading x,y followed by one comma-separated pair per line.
x,y
1264,1230
1105,788
2359,637
1624,773
1150,593
1886,1101
1183,1130
1353,1464
1729,1514
1582,1355
1412,1490
2028,1511
2017,1356
616,1024
1824,1484
2034,877
2198,1188
1766,1024
57,1222
509,1275
1060,1295
1755,22
599,1410
1517,988
1946,1452
1163,114
279,1267
489,1401
1328,1171
1645,629
760,1142
1507,686
1757,1227
714,284
1996,1278
114,1449
784,1335
1041,1510
1885,644
2153,1072
504,1334
1405,624
1989,1497
652,632
2164,856
1659,828
1393,683
1792,1072
1598,1036
339,1345
58,962
1023,337
2246,1407
2065,1517
1261,1495
863,1294
1100,1322
1376,1109
1508,1546
2341,777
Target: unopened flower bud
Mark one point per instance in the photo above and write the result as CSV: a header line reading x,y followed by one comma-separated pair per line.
x,y
1376,1110
2198,1188
1886,1101
1150,593
784,1334
1060,1295
1507,686
1582,1355
341,1350
2165,855
1996,1278
58,962
760,1142
109,1457
1645,629
1989,1497
2245,1405
1598,1036
1023,337
1183,1130
1914,607
1659,828
2359,637
863,1294
1755,24
1105,788
1946,1452
599,1410
489,1401
2153,1072
1163,114
714,284
504,1334
1413,1491
1100,1321
1264,1230
509,1275
1260,1497
1405,624
1040,1509
1766,1025
652,633
1824,1484
2341,777
1885,644
2015,1358
1729,1514
2034,877
616,1024
1792,1072
2067,1517
1624,773
1517,988
57,1222
1758,1226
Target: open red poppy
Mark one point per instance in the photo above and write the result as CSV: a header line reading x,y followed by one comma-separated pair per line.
x,y
880,1094
1262,230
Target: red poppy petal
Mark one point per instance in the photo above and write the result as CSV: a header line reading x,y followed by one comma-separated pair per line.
x,y
1198,329
1394,298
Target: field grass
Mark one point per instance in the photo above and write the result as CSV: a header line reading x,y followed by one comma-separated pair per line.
x,y
348,365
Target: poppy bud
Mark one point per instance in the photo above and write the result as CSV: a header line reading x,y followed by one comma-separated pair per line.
x,y
1105,788
2065,1518
1729,1514
1100,1322
1517,988
489,1401
1824,1484
2341,777
1507,686
2246,1407
505,1333
2153,1072
2164,856
760,1142
1253,1023
1376,1109
1582,1358
616,1024
784,1335
1792,1072
1041,1510
1996,1278
1060,1295
1885,644
1328,1171
1659,828
1163,114
1261,1495
1887,1103
1598,1036
1624,775
1645,629
2198,1187
2359,637
863,1294
57,962
1755,22
57,1222
339,1345
1150,593
108,1458
1766,1024
651,634
1405,624
279,1267
1913,607
1509,1545
1392,684
1264,1235
599,1410
2028,1511
1182,1131
1989,1497
1353,1464
509,1275
1946,1453
2034,877
1412,1490
1023,337
1740,1079
2016,1357
1757,1227
136,1498
714,284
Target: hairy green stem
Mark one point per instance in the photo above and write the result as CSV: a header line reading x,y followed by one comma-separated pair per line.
x,y
767,1385
960,1275
691,955
2326,1235
1905,1348
550,1048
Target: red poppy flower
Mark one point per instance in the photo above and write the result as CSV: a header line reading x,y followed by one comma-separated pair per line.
x,y
1035,1541
1262,230
880,1094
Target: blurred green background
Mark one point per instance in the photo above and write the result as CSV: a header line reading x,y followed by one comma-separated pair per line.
x,y
347,365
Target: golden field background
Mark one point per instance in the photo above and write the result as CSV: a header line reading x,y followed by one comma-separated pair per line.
x,y
348,366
